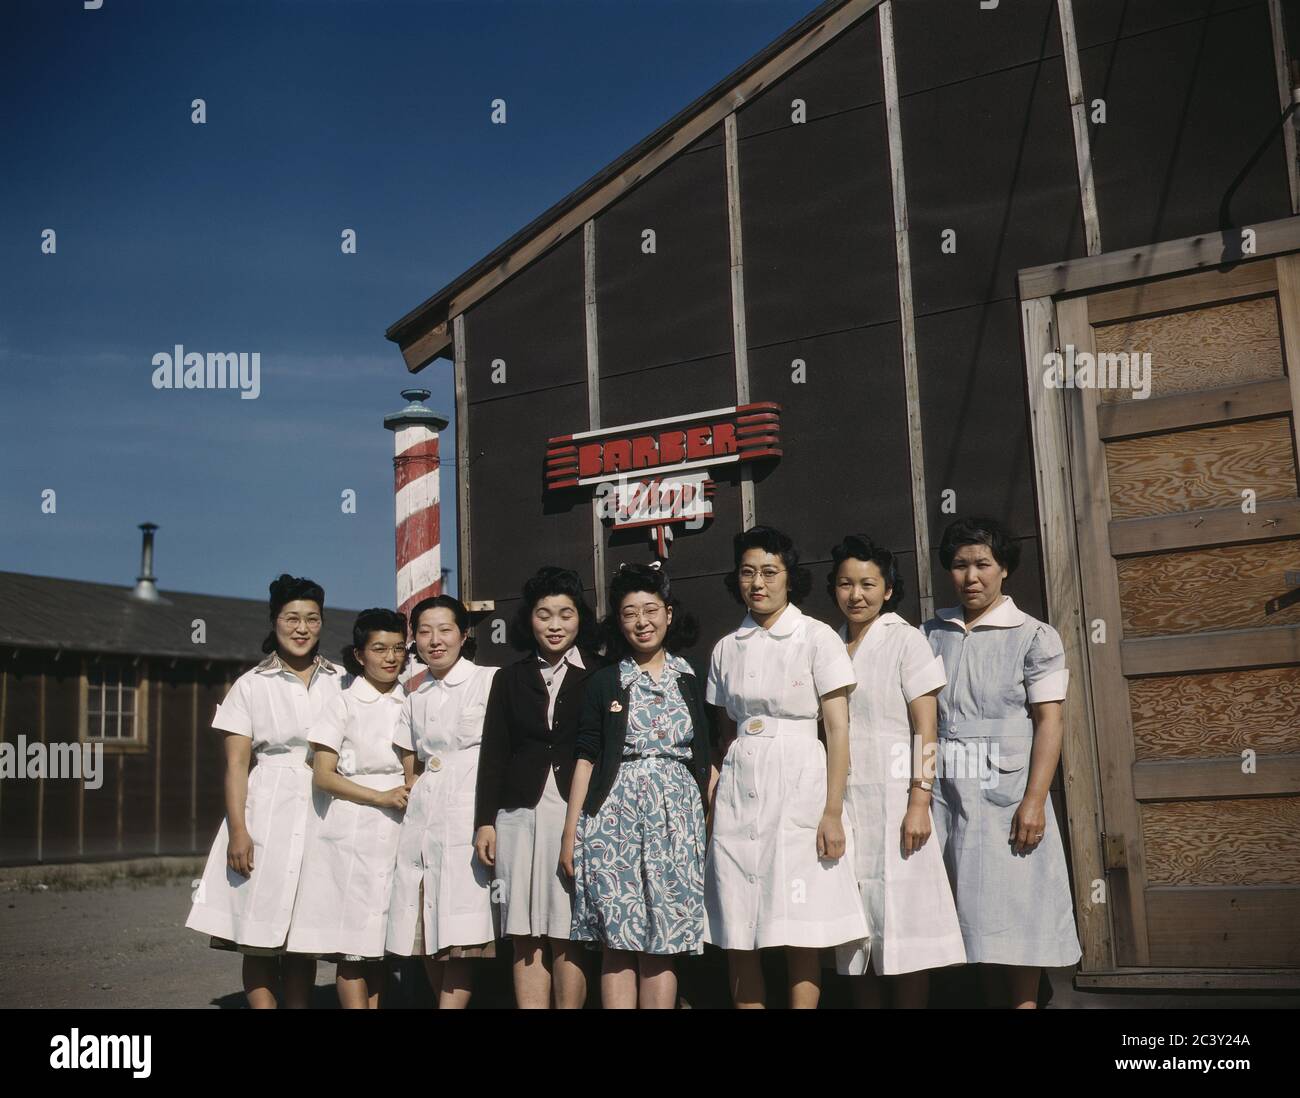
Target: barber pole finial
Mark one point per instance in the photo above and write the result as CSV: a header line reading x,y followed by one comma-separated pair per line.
x,y
415,484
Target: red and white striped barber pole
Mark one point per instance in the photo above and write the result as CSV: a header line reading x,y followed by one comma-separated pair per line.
x,y
415,484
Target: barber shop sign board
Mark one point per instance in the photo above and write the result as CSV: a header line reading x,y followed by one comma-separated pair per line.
x,y
654,475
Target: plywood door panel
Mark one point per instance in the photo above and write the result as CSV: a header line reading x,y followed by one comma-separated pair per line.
x,y
1224,587
1222,842
1201,469
1229,927
1217,714
1194,686
1202,348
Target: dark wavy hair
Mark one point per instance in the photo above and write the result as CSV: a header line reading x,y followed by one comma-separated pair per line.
x,y
375,620
631,578
457,608
861,547
286,589
770,540
548,581
980,530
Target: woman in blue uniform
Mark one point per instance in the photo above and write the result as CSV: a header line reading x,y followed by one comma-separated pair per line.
x,y
1000,733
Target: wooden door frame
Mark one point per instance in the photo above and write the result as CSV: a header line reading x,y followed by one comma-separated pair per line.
x,y
1052,303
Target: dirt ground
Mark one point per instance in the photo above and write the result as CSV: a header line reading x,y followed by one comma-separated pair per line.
x,y
124,944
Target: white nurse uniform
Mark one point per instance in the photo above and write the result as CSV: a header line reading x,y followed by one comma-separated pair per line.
x,y
275,708
442,721
347,869
907,900
764,884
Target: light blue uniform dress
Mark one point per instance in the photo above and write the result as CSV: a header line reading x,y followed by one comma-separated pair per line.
x,y
1013,909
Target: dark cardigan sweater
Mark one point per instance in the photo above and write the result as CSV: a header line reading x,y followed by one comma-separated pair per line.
x,y
602,730
518,747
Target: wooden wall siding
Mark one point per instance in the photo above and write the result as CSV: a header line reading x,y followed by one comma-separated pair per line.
x,y
1209,589
60,835
1216,714
1200,348
1201,469
1222,842
1178,81
1224,927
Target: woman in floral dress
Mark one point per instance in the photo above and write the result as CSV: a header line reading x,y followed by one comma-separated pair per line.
x,y
634,837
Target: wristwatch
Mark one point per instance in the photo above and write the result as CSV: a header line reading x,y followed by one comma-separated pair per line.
x,y
920,783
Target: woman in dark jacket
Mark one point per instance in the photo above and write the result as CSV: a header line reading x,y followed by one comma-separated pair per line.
x,y
525,770
636,852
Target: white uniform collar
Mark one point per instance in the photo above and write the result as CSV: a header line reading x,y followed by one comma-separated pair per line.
x,y
1006,615
273,665
461,670
572,657
782,627
364,692
887,618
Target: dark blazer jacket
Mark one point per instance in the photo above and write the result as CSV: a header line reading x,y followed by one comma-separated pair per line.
x,y
517,747
602,730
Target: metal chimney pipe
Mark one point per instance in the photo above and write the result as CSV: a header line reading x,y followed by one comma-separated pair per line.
x,y
145,587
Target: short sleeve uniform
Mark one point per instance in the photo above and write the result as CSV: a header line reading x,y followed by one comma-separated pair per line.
x,y
1013,909
347,870
275,709
441,891
764,883
908,902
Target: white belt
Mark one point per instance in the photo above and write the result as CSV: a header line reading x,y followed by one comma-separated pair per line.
x,y
289,760
390,779
766,727
437,760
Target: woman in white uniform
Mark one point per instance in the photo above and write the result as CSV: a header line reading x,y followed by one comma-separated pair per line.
x,y
525,771
1000,730
347,869
441,907
245,898
780,862
893,717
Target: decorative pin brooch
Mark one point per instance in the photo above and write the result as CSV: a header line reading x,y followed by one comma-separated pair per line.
x,y
615,706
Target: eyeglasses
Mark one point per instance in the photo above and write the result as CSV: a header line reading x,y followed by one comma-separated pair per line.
x,y
748,575
292,621
384,649
631,615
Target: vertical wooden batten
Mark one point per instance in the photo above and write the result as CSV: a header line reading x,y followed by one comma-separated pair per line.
x,y
1281,65
194,763
593,399
40,782
739,339
1082,785
4,707
1079,118
906,315
464,561
1100,590
1288,300
157,769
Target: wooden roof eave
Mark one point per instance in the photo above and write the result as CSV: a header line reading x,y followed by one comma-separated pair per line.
x,y
425,332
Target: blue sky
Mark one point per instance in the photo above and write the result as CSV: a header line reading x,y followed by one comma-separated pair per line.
x,y
321,115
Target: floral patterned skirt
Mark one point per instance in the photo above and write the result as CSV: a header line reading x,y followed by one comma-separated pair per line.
x,y
638,864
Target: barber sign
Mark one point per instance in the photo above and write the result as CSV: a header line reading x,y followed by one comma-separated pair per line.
x,y
655,474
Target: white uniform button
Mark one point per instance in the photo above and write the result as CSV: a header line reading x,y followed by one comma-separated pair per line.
x,y
434,764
